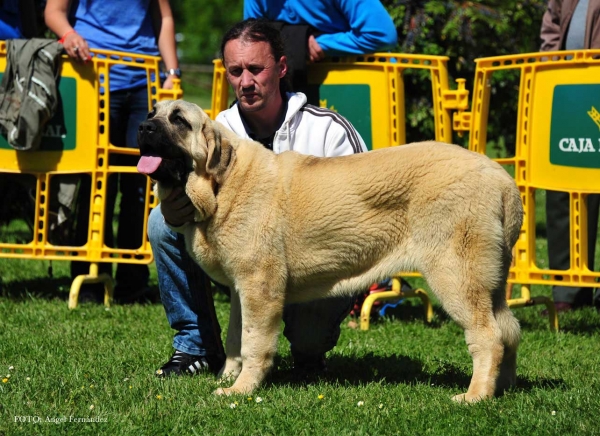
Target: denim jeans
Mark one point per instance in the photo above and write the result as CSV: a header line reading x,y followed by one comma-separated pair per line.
x,y
128,109
312,328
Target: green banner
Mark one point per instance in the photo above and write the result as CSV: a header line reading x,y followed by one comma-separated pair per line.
x,y
60,132
575,126
354,103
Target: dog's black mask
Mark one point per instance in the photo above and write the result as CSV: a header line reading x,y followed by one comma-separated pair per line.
x,y
161,158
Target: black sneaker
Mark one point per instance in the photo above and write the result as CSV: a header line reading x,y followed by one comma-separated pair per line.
x,y
182,363
126,295
309,367
91,293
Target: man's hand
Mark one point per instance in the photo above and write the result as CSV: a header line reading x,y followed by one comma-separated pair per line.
x,y
315,52
177,208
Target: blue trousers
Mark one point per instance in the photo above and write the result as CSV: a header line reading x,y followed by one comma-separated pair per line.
x,y
128,109
312,328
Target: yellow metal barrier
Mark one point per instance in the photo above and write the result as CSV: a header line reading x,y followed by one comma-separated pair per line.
x,y
369,91
76,141
557,147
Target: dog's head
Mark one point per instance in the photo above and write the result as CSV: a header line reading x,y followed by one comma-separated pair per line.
x,y
177,138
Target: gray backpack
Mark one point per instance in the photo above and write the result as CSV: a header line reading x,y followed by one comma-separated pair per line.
x,y
28,91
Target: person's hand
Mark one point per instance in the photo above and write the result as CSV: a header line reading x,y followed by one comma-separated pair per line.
x,y
177,208
315,52
76,47
168,83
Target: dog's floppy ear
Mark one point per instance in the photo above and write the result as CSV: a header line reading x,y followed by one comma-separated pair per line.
x,y
220,152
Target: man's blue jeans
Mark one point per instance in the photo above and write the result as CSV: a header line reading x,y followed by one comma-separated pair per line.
x,y
312,328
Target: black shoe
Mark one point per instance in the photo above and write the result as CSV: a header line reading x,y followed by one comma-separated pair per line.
x,y
91,293
309,367
128,295
182,363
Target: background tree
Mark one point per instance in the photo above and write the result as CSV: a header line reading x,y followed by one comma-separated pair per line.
x,y
465,31
201,25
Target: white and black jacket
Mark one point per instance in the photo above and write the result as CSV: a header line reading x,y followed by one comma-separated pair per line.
x,y
307,129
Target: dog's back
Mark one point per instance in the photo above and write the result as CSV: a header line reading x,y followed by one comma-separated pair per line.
x,y
352,220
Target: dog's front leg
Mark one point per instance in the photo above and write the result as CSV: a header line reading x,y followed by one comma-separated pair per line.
x,y
233,344
262,311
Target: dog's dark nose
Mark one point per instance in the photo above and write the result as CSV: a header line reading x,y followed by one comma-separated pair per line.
x,y
146,127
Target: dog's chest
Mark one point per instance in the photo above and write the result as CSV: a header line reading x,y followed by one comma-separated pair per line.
x,y
204,253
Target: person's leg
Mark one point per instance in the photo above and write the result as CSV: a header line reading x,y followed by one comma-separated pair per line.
x,y
558,230
185,294
128,111
313,329
593,211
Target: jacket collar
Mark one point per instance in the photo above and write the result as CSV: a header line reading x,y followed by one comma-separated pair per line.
x,y
296,100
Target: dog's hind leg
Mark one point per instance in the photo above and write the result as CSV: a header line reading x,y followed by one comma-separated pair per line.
x,y
262,311
467,297
511,333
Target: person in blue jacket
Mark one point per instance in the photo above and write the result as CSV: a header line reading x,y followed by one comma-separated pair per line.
x,y
314,29
337,26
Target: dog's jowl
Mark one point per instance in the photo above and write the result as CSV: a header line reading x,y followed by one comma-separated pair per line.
x,y
291,228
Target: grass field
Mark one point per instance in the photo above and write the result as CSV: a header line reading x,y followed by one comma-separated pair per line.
x,y
61,367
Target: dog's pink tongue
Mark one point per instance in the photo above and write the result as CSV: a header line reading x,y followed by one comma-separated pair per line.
x,y
148,164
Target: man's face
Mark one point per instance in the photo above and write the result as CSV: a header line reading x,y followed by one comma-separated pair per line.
x,y
253,73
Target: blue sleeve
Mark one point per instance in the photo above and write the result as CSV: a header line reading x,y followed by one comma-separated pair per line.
x,y
255,9
371,29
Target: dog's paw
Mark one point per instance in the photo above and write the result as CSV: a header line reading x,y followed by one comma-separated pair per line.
x,y
466,398
223,391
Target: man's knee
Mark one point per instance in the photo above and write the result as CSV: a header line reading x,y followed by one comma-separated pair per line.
x,y
157,229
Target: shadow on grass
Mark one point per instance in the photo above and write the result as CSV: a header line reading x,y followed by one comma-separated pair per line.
x,y
583,326
357,371
53,288
47,288
408,312
582,322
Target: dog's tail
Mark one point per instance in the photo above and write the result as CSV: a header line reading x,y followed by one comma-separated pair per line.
x,y
513,215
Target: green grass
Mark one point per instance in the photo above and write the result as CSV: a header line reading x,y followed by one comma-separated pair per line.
x,y
98,363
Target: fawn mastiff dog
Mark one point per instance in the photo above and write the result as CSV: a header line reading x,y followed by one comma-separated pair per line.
x,y
289,228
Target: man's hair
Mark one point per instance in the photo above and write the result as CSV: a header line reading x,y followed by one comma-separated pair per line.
x,y
255,30
258,30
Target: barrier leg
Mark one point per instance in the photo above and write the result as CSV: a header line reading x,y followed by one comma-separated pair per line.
x,y
527,300
92,277
394,294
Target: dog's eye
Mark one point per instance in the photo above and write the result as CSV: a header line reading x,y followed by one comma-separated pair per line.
x,y
151,114
177,119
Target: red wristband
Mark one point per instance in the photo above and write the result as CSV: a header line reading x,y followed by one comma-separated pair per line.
x,y
62,40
